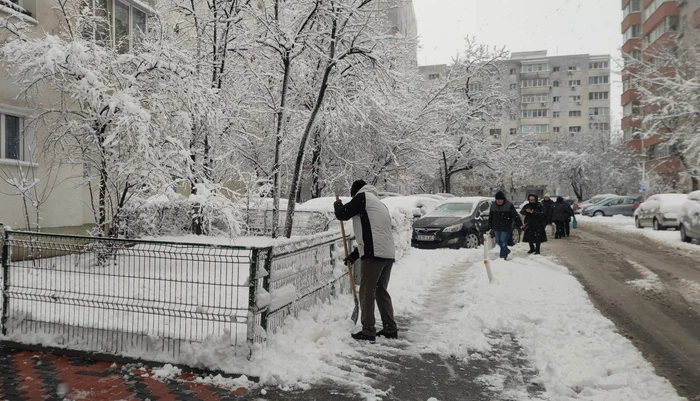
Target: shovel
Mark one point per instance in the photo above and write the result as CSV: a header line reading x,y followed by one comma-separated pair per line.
x,y
356,311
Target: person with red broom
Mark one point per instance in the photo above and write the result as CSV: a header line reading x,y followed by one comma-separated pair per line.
x,y
371,223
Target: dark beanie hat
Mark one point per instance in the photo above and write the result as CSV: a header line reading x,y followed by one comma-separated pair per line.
x,y
500,195
356,187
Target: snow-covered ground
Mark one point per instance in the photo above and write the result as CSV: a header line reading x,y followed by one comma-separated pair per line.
x,y
453,311
626,224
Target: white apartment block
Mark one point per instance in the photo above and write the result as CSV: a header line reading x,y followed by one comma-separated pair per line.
x,y
555,96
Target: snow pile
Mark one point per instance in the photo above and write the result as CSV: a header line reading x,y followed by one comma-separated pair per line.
x,y
623,223
577,351
650,282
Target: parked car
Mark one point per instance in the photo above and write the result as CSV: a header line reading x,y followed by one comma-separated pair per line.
x,y
619,205
578,207
432,196
455,223
445,195
660,211
418,206
689,217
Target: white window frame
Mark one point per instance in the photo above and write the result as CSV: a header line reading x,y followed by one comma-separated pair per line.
x,y
574,113
535,98
599,65
605,78
535,113
599,111
556,129
534,67
22,145
556,114
111,17
633,32
575,98
536,82
573,82
534,128
573,68
575,129
605,95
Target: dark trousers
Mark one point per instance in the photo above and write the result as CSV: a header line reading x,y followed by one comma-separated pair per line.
x,y
561,229
567,228
373,287
535,246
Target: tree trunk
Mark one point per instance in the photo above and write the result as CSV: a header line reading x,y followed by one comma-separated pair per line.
x,y
578,191
323,89
316,167
278,145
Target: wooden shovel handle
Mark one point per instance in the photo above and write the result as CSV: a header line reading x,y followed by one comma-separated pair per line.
x,y
347,254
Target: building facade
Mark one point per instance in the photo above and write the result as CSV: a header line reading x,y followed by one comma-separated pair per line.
x,y
555,96
648,26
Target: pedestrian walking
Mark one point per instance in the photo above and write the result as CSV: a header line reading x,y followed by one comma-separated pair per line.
x,y
535,223
371,223
502,219
561,215
548,204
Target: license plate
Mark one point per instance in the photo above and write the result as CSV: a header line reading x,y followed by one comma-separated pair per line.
x,y
426,238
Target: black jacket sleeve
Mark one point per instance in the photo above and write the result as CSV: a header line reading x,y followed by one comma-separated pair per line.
x,y
356,206
541,212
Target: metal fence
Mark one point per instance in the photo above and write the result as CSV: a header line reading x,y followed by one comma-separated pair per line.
x,y
259,222
152,299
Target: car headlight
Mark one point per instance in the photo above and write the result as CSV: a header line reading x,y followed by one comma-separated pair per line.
x,y
453,229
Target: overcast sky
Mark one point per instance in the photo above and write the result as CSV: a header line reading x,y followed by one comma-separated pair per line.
x,y
558,26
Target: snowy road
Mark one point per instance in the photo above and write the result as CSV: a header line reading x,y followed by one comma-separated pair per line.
x,y
649,288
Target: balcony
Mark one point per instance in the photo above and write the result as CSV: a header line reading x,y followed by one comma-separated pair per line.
x,y
631,45
668,9
632,121
631,95
632,19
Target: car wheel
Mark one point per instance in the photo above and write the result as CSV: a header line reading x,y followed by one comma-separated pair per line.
x,y
472,241
657,225
638,223
598,213
684,235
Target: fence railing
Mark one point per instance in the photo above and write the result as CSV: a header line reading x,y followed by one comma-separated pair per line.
x,y
259,222
152,299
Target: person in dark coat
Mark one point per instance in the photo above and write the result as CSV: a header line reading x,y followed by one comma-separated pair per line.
x,y
535,223
502,218
561,213
548,204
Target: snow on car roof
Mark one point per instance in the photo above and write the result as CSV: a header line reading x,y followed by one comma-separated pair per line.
x,y
468,199
322,204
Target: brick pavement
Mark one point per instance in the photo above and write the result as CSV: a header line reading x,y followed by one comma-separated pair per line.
x,y
29,376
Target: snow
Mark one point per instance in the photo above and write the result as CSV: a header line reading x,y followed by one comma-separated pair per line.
x,y
671,203
322,204
650,282
626,224
411,203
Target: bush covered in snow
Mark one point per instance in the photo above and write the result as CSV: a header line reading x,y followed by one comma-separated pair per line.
x,y
171,214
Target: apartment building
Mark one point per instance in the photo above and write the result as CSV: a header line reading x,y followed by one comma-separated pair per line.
x,y
67,204
647,26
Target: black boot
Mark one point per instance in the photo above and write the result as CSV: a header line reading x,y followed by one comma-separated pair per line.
x,y
363,337
537,250
383,333
532,249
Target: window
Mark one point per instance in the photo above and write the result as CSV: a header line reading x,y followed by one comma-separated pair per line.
x,y
576,98
633,6
599,96
636,54
535,128
122,25
599,65
556,99
601,80
513,86
575,82
433,77
11,140
599,111
512,71
629,83
555,114
658,151
669,24
513,131
573,68
575,113
534,67
631,109
536,98
652,7
633,32
531,83
599,126
555,69
534,113
495,132
475,87
556,129
575,129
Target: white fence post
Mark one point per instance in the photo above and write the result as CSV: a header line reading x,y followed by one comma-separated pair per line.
x,y
487,263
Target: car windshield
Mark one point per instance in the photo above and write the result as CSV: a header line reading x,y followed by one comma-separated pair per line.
x,y
453,209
